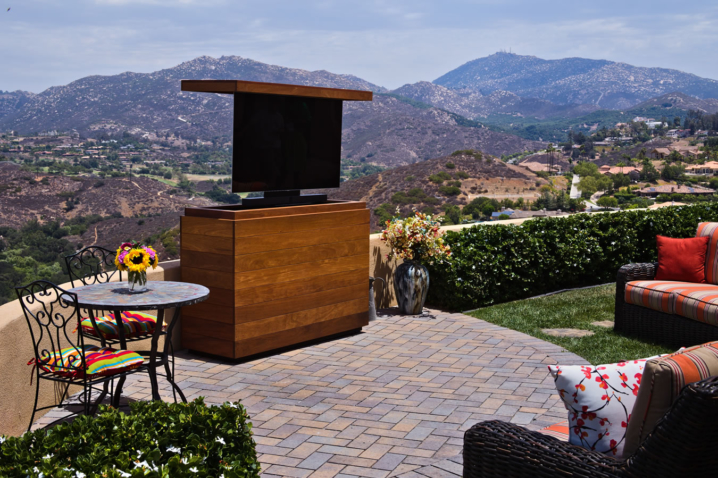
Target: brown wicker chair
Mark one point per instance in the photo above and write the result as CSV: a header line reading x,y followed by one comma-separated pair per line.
x,y
682,444
667,329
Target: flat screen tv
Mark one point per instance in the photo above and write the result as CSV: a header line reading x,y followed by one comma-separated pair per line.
x,y
285,142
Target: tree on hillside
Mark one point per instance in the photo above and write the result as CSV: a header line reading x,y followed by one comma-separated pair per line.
x,y
649,172
585,168
549,163
607,201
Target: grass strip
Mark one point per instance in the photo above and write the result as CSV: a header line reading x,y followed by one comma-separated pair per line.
x,y
574,309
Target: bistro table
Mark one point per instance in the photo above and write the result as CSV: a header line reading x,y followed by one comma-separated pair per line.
x,y
159,295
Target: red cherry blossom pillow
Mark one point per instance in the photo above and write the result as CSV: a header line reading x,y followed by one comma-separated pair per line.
x,y
599,401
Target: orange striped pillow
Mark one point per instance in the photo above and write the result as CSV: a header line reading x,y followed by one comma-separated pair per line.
x,y
662,382
710,229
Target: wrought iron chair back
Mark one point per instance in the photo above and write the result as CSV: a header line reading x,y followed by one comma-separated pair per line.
x,y
49,310
92,265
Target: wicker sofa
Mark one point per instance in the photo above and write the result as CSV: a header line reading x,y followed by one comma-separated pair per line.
x,y
671,329
682,444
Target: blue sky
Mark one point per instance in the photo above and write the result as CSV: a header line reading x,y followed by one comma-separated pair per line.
x,y
390,43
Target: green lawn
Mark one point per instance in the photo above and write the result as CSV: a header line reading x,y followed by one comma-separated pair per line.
x,y
574,309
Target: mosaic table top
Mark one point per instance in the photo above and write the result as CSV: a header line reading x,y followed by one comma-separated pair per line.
x,y
159,295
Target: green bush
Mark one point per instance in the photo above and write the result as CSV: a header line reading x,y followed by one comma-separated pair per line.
x,y
450,190
461,175
439,177
497,263
157,439
450,165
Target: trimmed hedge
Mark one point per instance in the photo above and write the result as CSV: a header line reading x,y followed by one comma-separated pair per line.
x,y
156,440
493,264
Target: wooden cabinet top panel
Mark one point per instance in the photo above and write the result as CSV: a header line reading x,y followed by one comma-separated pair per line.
x,y
237,213
237,86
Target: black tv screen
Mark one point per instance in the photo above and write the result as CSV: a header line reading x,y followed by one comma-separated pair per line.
x,y
285,142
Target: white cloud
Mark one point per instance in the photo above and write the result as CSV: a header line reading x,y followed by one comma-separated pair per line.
x,y
389,43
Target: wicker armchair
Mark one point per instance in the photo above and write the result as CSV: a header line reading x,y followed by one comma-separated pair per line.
x,y
682,444
667,329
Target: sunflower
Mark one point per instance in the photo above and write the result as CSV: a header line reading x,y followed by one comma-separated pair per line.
x,y
119,263
137,260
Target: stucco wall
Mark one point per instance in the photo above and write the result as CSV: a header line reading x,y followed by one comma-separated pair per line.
x,y
16,394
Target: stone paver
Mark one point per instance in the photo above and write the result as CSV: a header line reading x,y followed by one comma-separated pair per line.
x,y
603,323
574,333
393,400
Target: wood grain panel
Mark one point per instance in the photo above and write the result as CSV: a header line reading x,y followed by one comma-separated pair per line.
x,y
298,303
298,255
299,319
305,222
207,227
255,244
208,278
239,86
298,287
207,260
308,270
208,328
264,343
211,311
236,212
213,244
221,296
209,345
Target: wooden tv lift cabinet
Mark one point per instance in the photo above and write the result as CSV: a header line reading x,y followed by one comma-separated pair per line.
x,y
278,276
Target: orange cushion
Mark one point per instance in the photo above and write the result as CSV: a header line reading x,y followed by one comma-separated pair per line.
x,y
682,259
710,230
663,379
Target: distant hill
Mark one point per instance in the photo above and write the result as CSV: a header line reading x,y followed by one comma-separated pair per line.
x,y
603,83
391,131
24,197
480,175
681,101
153,101
472,104
12,101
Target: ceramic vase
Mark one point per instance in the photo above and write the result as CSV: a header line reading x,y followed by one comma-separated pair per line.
x,y
411,284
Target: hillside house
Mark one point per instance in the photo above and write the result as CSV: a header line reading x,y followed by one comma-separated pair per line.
x,y
660,153
709,168
611,170
670,189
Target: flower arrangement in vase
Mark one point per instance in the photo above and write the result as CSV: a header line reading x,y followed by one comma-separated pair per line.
x,y
416,239
135,258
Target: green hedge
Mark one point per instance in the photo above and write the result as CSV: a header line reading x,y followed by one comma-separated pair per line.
x,y
156,440
492,264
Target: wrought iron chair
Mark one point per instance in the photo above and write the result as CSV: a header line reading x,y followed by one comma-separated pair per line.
x,y
49,311
96,265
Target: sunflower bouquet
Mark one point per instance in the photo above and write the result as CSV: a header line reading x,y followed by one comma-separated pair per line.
x,y
135,258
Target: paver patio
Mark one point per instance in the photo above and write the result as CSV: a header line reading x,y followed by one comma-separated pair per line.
x,y
394,400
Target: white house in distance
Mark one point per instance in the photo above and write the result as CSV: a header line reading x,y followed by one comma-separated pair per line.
x,y
709,168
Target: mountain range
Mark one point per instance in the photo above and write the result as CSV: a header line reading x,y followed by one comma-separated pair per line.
x,y
412,123
603,83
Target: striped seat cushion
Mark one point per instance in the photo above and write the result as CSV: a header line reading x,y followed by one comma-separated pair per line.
x,y
655,294
99,361
134,323
662,382
710,229
557,430
698,303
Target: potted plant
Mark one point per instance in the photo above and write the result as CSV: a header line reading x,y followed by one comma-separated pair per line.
x,y
416,239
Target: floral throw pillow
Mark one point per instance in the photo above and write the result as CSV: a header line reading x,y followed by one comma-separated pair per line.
x,y
599,401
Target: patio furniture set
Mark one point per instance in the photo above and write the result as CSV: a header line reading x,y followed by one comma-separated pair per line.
x,y
104,311
674,402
